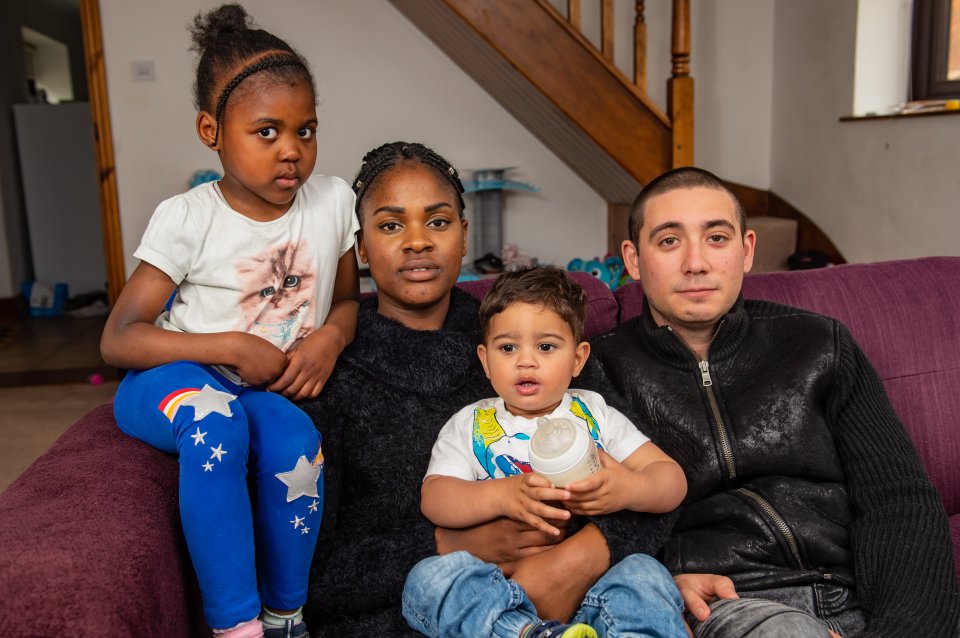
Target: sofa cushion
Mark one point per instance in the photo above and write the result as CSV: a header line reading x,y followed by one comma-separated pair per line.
x,y
906,316
69,513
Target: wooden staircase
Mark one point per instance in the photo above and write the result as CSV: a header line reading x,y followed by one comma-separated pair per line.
x,y
592,116
537,64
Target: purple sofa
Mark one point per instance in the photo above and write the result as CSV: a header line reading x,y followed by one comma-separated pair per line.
x,y
90,540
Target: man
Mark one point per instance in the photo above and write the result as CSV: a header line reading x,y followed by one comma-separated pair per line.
x,y
806,497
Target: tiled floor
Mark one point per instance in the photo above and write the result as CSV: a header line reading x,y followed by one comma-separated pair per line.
x,y
46,368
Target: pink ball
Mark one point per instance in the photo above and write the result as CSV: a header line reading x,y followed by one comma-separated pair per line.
x,y
96,379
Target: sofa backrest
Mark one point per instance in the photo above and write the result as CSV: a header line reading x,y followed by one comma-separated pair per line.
x,y
906,316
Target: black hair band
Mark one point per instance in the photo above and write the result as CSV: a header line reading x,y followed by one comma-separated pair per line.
x,y
270,62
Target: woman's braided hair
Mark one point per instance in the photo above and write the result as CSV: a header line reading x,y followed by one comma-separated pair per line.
x,y
389,155
224,39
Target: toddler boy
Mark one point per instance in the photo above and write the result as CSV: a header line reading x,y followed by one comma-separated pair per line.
x,y
532,326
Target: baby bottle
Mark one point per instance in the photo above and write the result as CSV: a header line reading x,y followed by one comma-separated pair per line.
x,y
562,452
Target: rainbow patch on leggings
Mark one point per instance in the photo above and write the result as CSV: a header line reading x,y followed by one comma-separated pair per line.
x,y
171,403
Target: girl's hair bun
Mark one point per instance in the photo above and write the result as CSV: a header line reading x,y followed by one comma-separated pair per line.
x,y
225,19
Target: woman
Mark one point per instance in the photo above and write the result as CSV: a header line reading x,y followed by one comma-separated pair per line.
x,y
412,365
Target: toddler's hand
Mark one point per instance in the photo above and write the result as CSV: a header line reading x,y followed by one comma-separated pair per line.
x,y
604,492
256,360
523,500
310,363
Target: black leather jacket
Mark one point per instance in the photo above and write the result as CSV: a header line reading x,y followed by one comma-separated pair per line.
x,y
798,469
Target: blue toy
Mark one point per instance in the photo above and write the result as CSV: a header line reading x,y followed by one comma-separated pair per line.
x,y
203,176
610,271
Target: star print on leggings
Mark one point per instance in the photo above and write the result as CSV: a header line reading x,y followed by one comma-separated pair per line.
x,y
209,400
301,480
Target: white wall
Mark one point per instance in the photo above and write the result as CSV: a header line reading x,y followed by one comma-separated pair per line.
x,y
378,79
882,55
880,189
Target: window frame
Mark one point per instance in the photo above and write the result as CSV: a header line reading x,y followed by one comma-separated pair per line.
x,y
931,44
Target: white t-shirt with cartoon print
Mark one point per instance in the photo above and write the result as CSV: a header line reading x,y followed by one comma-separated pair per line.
x,y
483,440
273,279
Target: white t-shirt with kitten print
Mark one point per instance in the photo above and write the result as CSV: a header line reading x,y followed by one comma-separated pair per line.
x,y
273,279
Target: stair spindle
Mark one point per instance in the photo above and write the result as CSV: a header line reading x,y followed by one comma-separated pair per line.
x,y
640,48
606,29
573,13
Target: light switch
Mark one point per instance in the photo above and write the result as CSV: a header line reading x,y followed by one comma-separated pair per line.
x,y
143,71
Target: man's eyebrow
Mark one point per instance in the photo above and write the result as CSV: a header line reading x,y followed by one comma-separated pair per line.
x,y
713,223
664,226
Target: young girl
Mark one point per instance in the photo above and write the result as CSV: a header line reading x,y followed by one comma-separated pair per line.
x,y
265,276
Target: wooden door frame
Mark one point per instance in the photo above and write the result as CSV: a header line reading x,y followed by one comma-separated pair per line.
x,y
103,143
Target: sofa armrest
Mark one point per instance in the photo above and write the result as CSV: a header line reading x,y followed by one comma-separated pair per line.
x,y
92,543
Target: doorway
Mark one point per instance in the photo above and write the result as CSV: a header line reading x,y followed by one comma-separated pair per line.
x,y
58,348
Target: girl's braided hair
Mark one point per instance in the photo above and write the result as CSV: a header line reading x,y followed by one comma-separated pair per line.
x,y
225,38
389,155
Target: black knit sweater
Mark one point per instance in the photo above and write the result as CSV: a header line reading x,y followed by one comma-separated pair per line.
x,y
798,469
392,390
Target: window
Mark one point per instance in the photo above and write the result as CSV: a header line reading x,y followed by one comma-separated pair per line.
x,y
936,50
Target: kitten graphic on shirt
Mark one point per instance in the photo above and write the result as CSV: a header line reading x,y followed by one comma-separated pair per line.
x,y
277,294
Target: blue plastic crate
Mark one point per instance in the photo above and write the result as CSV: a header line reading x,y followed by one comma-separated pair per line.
x,y
44,299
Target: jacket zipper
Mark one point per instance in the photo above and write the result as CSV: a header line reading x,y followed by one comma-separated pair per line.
x,y
780,524
707,382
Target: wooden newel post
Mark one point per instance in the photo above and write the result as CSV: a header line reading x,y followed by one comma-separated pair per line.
x,y
680,87
640,48
103,143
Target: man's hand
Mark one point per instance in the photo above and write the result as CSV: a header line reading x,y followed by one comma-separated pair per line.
x,y
602,492
310,363
501,541
256,360
699,590
524,498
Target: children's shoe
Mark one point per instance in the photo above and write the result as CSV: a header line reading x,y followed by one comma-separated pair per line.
x,y
554,629
289,630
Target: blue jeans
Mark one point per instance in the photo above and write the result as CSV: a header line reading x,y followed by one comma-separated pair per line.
x,y
458,595
788,612
222,434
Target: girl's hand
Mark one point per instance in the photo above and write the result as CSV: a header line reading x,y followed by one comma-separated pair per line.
x,y
523,500
255,359
605,491
310,363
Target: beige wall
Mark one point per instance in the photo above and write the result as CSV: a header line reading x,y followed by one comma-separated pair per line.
x,y
378,79
882,189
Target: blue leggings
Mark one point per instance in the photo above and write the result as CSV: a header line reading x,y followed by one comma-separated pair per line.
x,y
222,434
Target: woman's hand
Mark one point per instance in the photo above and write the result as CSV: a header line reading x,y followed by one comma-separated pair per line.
x,y
502,541
309,364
